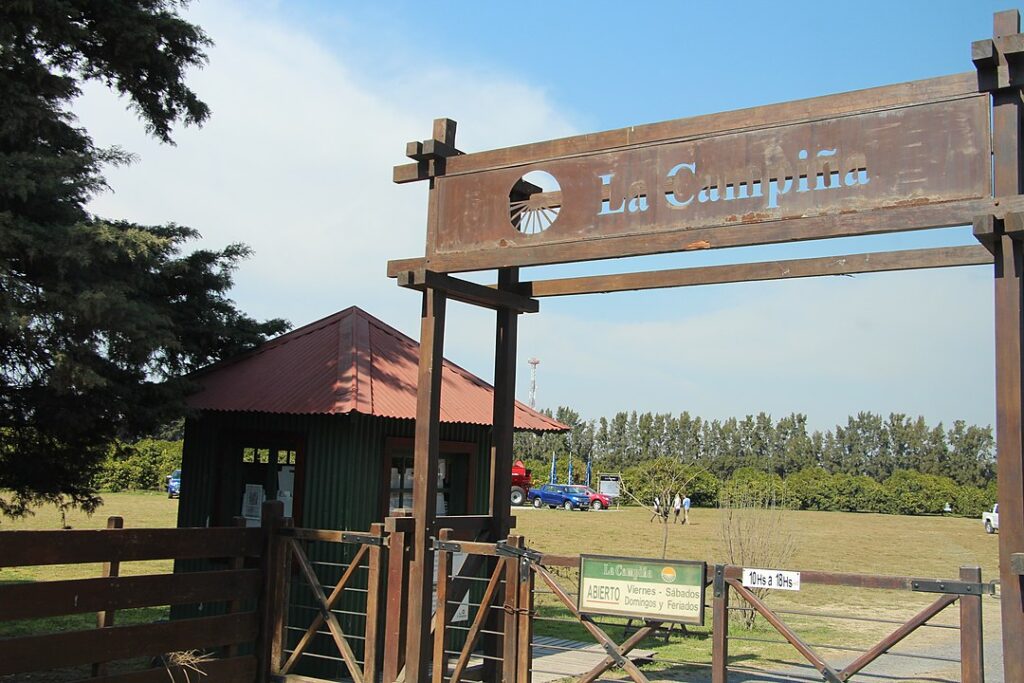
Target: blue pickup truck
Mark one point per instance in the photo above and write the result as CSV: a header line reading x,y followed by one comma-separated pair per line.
x,y
174,484
560,495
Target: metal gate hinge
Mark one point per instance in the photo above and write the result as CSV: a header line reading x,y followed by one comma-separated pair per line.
x,y
953,587
447,546
364,539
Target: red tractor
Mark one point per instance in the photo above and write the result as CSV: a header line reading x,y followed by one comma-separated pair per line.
x,y
522,480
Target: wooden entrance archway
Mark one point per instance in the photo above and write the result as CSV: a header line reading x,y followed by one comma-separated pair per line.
x,y
935,153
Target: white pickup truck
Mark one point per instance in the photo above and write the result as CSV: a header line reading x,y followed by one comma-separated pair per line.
x,y
991,519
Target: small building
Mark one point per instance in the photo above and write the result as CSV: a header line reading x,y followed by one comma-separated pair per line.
x,y
323,418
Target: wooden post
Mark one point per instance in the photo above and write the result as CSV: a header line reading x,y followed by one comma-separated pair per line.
x,y
395,618
720,627
510,641
272,611
374,595
972,655
499,502
235,605
1009,318
106,619
424,496
444,563
525,623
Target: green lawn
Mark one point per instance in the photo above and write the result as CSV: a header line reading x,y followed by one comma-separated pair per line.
x,y
864,543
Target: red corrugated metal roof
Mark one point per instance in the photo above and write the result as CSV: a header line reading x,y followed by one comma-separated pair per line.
x,y
349,362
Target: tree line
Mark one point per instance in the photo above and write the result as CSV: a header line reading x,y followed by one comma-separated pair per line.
x,y
868,445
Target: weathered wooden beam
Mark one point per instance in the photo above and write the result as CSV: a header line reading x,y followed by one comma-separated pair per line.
x,y
876,222
467,292
872,99
911,259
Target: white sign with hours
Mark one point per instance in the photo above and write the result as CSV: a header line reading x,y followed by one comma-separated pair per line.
x,y
771,578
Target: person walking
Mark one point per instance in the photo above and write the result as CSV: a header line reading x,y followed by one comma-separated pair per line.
x,y
677,505
657,508
686,508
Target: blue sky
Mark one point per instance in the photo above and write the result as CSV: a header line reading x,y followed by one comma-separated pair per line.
x,y
313,103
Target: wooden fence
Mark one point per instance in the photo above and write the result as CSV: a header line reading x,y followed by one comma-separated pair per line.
x,y
256,633
237,591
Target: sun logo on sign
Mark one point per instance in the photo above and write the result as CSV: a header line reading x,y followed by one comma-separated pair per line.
x,y
668,575
534,202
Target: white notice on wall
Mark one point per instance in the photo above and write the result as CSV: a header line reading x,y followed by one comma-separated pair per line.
x,y
771,578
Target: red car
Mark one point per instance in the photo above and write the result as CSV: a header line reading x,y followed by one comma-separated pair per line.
x,y
598,501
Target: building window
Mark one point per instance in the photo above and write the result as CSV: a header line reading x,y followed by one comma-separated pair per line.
x,y
456,477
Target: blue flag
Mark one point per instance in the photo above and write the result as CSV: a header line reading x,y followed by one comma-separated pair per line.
x,y
589,462
553,478
570,471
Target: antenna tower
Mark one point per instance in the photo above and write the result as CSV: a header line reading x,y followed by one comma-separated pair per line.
x,y
534,362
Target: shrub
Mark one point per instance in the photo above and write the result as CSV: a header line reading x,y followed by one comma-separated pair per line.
x,y
143,465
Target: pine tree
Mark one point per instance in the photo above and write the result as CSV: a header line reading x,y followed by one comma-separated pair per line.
x,y
99,320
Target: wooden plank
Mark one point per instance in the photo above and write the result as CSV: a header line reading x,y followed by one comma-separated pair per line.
x,y
467,292
896,636
30,548
468,523
230,670
58,650
735,573
274,600
797,111
78,596
839,167
875,222
910,259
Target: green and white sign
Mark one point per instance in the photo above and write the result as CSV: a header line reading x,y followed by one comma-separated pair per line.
x,y
665,590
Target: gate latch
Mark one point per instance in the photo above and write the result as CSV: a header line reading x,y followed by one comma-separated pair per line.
x,y
505,550
953,587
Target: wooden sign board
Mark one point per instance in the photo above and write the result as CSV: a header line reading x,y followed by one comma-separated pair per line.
x,y
662,590
912,156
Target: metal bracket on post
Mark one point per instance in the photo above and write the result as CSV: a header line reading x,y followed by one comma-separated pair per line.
x,y
526,557
614,653
953,587
719,581
364,539
447,546
1017,564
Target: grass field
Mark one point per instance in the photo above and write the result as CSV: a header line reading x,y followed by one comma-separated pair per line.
x,y
830,541
865,543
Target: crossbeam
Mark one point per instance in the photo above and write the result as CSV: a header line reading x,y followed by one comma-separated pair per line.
x,y
468,292
911,259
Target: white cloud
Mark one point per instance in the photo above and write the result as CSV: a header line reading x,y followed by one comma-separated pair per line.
x,y
296,161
